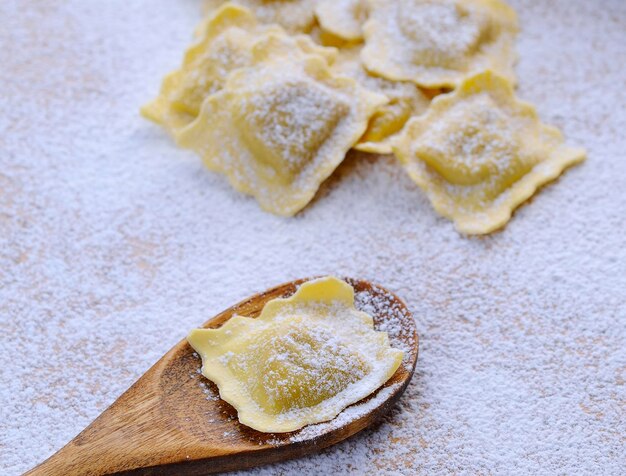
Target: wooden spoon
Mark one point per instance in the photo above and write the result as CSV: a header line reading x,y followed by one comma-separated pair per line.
x,y
166,424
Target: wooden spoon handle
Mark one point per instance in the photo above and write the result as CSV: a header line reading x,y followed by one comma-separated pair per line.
x,y
165,424
118,439
139,431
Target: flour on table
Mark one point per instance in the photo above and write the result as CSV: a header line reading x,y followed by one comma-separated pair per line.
x,y
109,232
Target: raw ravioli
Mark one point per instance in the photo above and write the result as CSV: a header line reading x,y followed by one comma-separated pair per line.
x,y
302,361
280,127
406,100
225,44
342,18
436,43
479,152
295,16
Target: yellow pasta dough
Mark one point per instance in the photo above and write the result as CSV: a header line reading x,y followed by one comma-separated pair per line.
x,y
302,361
276,113
281,126
295,16
436,43
342,18
225,44
479,152
405,100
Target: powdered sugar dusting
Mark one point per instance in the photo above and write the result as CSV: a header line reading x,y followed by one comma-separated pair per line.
x,y
476,134
346,417
432,41
382,304
303,362
441,32
114,243
295,118
294,15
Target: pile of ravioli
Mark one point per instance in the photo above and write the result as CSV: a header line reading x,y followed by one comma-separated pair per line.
x,y
274,93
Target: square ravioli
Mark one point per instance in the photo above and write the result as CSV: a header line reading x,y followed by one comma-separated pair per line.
x,y
295,16
436,43
342,18
302,361
281,126
479,152
225,43
406,100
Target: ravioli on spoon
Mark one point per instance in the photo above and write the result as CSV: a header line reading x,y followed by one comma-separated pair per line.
x,y
302,361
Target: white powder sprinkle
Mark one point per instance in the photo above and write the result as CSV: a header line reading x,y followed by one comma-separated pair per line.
x,y
294,118
294,15
114,244
347,416
439,32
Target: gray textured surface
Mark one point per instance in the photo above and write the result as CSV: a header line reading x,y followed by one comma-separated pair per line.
x,y
113,244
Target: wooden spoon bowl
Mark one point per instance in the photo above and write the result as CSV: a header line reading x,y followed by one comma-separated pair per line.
x,y
172,421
